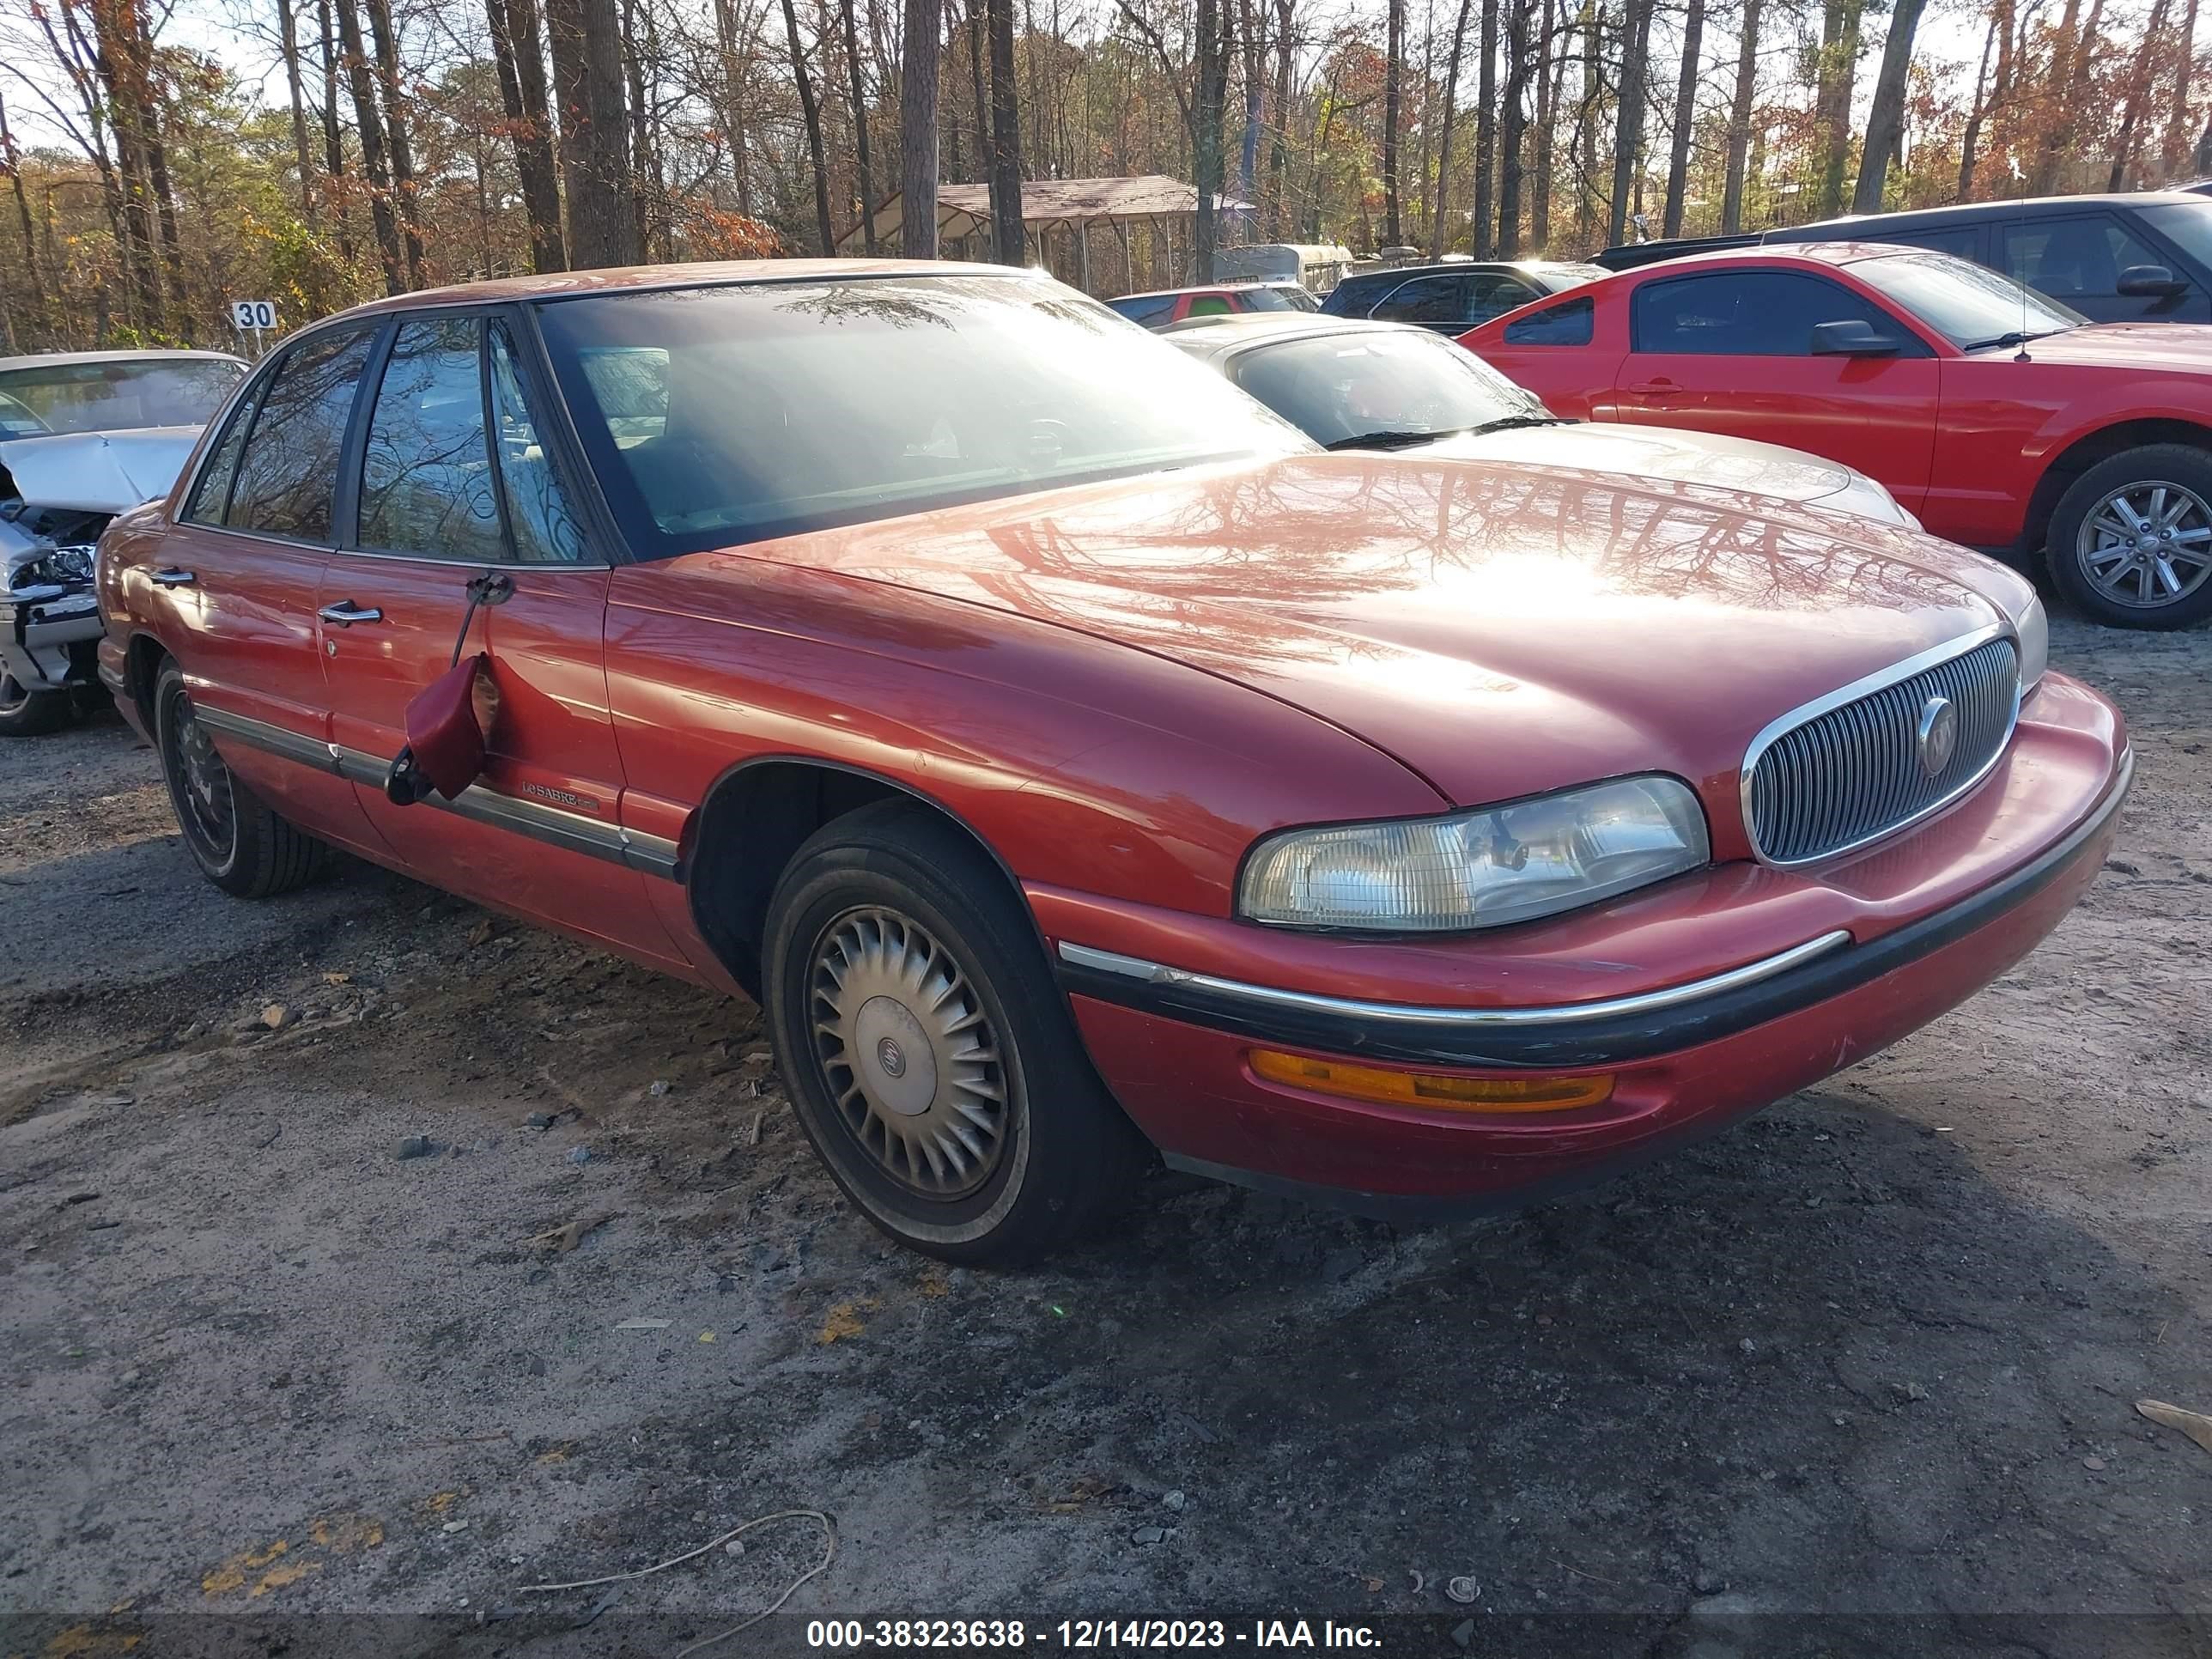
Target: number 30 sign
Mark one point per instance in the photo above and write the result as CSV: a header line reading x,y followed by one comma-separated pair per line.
x,y
253,313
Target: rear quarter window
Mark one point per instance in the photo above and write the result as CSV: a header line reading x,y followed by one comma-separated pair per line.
x,y
1570,322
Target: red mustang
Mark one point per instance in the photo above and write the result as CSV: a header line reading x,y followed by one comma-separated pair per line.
x,y
2004,420
1069,755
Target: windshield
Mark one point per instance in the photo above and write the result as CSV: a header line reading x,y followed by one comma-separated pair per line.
x,y
2188,225
1365,382
116,395
720,415
1969,305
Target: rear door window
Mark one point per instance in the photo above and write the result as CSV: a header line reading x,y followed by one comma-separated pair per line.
x,y
1425,299
1146,308
427,488
287,479
2078,261
1491,296
1962,241
1569,323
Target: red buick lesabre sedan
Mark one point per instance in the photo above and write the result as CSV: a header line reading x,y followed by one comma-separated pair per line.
x,y
1074,761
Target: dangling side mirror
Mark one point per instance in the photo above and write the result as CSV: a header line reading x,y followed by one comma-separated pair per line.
x,y
446,723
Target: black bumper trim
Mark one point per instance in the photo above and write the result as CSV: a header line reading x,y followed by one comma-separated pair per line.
x,y
1613,1040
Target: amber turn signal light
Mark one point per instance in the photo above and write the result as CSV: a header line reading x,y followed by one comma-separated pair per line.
x,y
1427,1089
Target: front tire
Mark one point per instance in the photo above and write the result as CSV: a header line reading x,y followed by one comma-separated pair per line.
x,y
2132,541
240,843
27,713
930,1057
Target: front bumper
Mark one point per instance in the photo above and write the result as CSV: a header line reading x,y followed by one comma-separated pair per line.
x,y
48,636
1687,1057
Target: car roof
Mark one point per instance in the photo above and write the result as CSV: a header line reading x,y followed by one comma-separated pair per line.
x,y
1827,229
566,284
1240,286
1214,336
1834,252
70,359
1461,266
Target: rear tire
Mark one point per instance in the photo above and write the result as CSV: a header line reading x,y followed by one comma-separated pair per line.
x,y
931,1059
240,843
2131,532
27,713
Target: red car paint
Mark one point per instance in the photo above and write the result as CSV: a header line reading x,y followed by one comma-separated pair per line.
x,y
1120,687
1966,439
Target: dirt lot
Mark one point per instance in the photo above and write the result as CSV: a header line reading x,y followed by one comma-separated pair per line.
x,y
1870,1358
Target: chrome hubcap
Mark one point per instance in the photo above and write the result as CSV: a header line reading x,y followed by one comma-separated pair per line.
x,y
2147,545
12,695
909,1056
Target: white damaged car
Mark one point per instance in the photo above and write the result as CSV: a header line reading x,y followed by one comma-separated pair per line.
x,y
83,436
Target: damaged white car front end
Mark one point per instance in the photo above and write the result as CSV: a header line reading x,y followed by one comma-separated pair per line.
x,y
57,493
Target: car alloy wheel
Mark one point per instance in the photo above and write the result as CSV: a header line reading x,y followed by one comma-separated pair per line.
x,y
909,1054
2146,546
207,809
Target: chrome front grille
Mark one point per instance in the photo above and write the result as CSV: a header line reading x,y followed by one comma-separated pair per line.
x,y
1852,772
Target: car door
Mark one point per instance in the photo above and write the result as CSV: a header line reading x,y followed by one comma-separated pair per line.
x,y
1438,302
2078,260
1730,351
234,599
455,485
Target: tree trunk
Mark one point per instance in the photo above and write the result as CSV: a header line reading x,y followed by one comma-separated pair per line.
x,y
289,29
1512,128
1739,132
400,151
370,126
1009,244
1686,118
1551,73
2071,47
1832,102
1485,129
1279,158
2139,78
520,59
1394,69
918,77
1628,119
588,74
867,172
12,164
644,163
811,111
1214,49
735,63
333,144
115,31
1885,116
1581,147
2174,148
1440,219
978,36
1252,37
1970,140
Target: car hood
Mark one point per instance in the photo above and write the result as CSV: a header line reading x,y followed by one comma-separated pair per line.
x,y
2144,348
1655,452
1501,630
98,472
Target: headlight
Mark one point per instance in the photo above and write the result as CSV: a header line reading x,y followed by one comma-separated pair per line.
x,y
1477,869
2034,629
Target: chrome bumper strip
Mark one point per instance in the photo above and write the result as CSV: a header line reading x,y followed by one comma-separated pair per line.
x,y
652,855
1265,997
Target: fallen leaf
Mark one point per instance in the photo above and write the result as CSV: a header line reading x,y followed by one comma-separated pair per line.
x,y
2196,1425
845,1320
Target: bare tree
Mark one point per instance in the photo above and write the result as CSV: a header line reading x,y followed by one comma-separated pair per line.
x,y
1551,72
586,36
519,57
864,160
1739,128
1485,128
1628,116
1885,116
1970,140
289,31
2174,148
334,166
1394,71
1010,242
398,147
811,111
373,165
1512,126
1831,100
1438,219
917,78
1686,118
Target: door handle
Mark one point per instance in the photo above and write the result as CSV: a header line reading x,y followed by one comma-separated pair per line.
x,y
345,613
170,576
1651,388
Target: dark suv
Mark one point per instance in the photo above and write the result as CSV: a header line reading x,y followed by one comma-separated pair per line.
x,y
2145,257
1453,297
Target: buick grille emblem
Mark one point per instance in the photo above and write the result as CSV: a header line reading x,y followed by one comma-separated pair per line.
x,y
1938,737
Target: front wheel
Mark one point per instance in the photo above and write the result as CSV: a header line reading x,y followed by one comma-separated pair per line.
x,y
2132,541
26,713
240,843
930,1058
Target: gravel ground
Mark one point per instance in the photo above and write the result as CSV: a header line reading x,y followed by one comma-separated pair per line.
x,y
1857,1377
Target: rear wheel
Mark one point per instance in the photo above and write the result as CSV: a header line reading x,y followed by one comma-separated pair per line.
x,y
930,1058
25,713
240,843
2132,541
